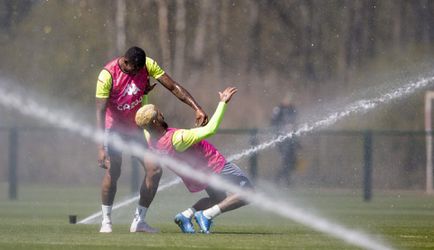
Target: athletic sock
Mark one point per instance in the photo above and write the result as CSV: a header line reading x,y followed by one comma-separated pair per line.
x,y
212,212
189,212
106,214
140,213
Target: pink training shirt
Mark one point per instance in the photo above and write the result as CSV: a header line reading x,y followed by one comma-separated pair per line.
x,y
125,97
202,156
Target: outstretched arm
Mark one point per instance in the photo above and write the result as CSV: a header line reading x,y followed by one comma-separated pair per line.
x,y
184,138
184,96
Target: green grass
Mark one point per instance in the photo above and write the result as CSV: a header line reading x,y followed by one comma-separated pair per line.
x,y
39,220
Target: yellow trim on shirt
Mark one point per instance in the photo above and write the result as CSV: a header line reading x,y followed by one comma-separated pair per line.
x,y
104,83
153,68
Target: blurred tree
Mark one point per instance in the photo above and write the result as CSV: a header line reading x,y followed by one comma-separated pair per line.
x,y
180,42
163,24
323,50
63,44
223,33
12,12
307,36
254,46
214,38
198,52
121,36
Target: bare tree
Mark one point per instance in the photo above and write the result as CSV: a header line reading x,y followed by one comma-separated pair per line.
x,y
199,40
357,32
306,11
430,26
198,51
371,28
214,37
346,40
109,25
121,36
254,46
223,29
163,24
425,20
180,24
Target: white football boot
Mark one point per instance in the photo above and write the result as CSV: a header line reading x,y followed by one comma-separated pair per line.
x,y
106,227
141,226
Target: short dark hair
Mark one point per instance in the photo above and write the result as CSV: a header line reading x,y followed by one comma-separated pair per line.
x,y
136,56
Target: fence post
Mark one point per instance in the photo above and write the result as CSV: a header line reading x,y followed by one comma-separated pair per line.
x,y
253,160
13,163
135,175
367,168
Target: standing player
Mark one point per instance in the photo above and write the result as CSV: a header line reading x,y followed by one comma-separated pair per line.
x,y
188,145
121,90
284,120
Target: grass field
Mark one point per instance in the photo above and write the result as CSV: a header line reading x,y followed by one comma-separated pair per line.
x,y
39,220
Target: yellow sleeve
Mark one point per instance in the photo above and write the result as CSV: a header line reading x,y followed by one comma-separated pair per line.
x,y
153,68
104,84
184,138
145,100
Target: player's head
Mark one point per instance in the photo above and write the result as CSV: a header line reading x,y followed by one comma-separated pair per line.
x,y
135,59
287,99
149,117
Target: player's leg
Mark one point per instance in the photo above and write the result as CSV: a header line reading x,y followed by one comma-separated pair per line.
x,y
214,197
289,159
109,182
150,183
183,219
233,174
281,174
148,190
230,202
109,186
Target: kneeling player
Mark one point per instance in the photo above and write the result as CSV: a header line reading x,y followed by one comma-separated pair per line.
x,y
189,146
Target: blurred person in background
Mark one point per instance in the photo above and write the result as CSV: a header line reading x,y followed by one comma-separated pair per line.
x,y
121,89
283,120
190,146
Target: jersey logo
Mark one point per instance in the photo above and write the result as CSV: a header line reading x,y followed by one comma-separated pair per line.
x,y
131,89
128,106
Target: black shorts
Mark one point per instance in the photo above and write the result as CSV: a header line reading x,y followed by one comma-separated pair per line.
x,y
112,135
232,174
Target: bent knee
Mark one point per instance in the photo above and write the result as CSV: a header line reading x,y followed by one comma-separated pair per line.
x,y
154,171
113,175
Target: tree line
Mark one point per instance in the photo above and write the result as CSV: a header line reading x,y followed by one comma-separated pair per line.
x,y
62,45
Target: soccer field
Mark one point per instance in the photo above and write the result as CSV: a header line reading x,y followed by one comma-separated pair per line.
x,y
39,220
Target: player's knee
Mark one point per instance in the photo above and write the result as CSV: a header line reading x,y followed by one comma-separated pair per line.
x,y
240,201
154,172
244,202
113,175
219,197
158,172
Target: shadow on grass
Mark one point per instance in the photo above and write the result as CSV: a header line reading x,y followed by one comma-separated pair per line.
x,y
245,233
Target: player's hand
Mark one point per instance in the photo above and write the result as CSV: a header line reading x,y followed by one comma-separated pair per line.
x,y
227,94
102,159
149,88
201,118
